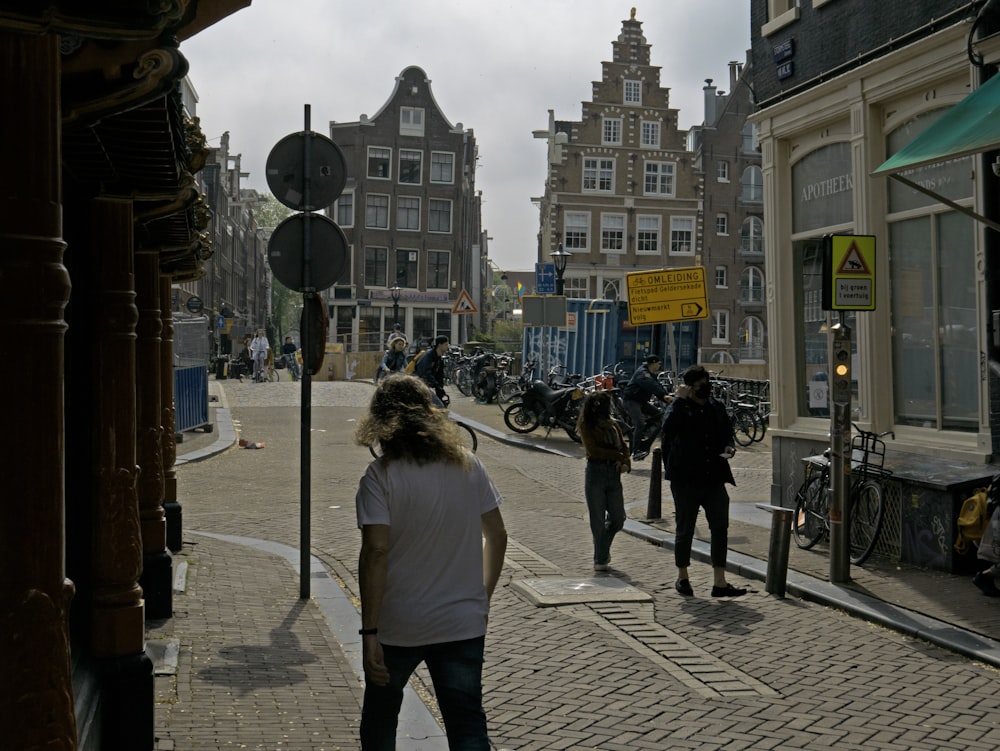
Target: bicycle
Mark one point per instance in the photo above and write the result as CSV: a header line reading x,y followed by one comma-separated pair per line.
x,y
865,503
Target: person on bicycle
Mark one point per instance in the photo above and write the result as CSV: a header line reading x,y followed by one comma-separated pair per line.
x,y
698,442
288,350
636,396
430,369
395,356
258,350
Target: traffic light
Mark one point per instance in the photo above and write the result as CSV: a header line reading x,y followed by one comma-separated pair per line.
x,y
841,364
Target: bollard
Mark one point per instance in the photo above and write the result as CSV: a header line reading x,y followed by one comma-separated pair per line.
x,y
655,485
777,553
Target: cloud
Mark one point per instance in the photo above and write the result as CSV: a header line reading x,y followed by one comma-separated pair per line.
x,y
496,67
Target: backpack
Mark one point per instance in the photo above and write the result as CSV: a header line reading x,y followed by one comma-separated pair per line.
x,y
972,519
411,366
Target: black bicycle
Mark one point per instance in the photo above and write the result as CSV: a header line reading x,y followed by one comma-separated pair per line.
x,y
866,497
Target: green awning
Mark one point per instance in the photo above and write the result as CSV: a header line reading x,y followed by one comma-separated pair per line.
x,y
970,127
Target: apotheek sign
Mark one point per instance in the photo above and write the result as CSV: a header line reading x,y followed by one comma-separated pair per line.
x,y
823,188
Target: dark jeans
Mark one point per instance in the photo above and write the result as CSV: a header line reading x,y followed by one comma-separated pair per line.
x,y
712,497
645,426
606,506
456,670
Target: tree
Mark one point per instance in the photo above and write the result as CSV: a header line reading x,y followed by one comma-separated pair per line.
x,y
269,213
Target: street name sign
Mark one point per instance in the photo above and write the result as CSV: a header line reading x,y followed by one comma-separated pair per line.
x,y
667,295
849,273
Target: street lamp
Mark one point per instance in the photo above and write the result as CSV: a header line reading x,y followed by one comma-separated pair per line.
x,y
559,259
395,303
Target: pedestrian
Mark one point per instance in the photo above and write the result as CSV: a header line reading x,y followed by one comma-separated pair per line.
x,y
642,387
258,351
698,442
607,458
395,356
432,548
430,369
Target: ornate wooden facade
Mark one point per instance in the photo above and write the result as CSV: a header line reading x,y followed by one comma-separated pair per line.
x,y
99,216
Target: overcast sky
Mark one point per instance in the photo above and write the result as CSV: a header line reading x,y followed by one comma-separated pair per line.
x,y
496,66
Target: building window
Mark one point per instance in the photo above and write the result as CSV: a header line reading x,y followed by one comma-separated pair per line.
x,y
722,224
442,167
379,162
633,92
750,141
720,327
611,134
411,121
752,235
437,269
375,266
410,166
647,234
574,286
612,233
377,211
649,134
439,215
576,230
659,179
751,339
722,172
752,184
598,175
345,209
752,286
721,277
406,267
682,236
408,213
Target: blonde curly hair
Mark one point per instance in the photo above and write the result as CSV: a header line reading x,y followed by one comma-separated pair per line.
x,y
403,422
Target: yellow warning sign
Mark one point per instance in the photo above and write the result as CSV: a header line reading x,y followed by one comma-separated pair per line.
x,y
852,260
464,304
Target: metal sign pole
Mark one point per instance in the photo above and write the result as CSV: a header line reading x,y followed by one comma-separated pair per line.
x,y
305,433
840,451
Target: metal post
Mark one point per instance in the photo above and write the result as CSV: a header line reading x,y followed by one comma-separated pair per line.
x,y
840,450
653,510
777,551
305,433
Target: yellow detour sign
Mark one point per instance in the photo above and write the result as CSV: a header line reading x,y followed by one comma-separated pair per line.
x,y
851,273
667,295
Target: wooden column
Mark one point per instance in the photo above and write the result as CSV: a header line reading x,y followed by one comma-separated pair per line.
x,y
157,572
36,696
171,506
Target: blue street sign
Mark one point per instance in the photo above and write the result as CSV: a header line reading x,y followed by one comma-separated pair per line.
x,y
220,323
545,278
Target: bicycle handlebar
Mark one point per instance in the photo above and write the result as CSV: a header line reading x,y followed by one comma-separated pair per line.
x,y
859,429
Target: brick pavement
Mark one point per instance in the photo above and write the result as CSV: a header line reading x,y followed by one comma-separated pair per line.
x,y
261,669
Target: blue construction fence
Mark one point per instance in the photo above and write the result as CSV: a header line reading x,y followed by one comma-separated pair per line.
x,y
598,335
192,344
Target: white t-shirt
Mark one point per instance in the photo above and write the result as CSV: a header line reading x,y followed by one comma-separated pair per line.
x,y
434,585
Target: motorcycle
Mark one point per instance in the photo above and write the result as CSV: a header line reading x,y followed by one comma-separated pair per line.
x,y
542,405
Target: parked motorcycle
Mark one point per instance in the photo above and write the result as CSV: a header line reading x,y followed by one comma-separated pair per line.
x,y
543,405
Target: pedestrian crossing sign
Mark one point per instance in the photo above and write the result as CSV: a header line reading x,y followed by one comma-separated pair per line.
x,y
464,304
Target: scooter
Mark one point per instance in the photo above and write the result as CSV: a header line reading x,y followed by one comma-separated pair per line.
x,y
542,405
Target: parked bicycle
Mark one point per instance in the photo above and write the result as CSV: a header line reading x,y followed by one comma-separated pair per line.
x,y
865,503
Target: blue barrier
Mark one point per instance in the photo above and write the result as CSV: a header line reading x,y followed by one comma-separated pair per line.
x,y
190,398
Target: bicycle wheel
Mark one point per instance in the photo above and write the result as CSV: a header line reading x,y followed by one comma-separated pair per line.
x,y
759,425
463,380
508,390
743,427
867,512
519,418
469,438
272,375
809,521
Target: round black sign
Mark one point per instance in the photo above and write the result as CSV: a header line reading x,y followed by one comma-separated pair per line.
x,y
286,174
194,304
327,251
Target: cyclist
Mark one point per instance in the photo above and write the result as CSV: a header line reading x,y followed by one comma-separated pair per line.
x,y
430,369
395,356
641,388
288,350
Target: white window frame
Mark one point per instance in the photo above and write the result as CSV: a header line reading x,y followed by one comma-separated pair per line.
x,y
576,231
721,277
722,171
411,121
437,167
431,211
656,230
613,228
752,241
720,327
576,286
420,166
611,131
649,134
408,212
388,162
722,225
602,172
752,286
780,13
752,185
663,177
369,207
632,91
681,225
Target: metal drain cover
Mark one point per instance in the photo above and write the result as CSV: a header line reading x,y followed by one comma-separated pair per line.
x,y
551,591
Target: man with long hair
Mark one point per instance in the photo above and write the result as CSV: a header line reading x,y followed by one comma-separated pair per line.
x,y
425,508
